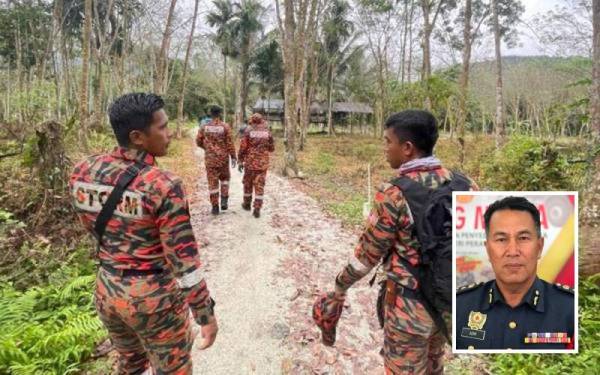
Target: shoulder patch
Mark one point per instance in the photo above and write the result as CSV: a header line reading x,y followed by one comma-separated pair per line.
x,y
466,288
564,288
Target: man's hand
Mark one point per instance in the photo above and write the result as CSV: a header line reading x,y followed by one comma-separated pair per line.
x,y
327,311
209,333
241,167
233,162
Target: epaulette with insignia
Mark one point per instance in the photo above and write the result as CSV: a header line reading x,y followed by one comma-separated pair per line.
x,y
466,288
564,288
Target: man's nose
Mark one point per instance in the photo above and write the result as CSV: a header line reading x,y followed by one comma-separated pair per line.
x,y
512,248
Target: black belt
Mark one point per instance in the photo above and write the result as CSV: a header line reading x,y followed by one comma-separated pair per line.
x,y
130,272
393,289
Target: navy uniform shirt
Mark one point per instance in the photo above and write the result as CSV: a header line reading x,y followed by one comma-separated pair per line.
x,y
544,319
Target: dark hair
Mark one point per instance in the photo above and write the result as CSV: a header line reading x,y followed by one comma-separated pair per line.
x,y
513,203
416,126
133,112
215,111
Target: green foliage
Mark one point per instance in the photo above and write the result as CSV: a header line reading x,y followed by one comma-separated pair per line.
x,y
48,330
24,27
324,163
441,88
101,141
586,362
349,210
267,65
526,163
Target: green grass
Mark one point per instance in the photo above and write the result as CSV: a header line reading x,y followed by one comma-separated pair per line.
x,y
350,210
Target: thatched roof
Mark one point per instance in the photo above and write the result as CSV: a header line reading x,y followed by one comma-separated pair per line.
x,y
351,107
275,106
268,106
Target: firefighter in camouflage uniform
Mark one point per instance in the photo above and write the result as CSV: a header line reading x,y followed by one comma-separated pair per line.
x,y
150,275
257,142
412,342
215,138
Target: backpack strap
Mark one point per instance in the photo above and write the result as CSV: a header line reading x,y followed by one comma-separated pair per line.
x,y
459,182
113,199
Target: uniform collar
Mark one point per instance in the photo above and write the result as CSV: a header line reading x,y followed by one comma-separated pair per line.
x,y
421,164
534,296
133,155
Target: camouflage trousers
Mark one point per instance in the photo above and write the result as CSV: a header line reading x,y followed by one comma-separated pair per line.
x,y
412,342
254,181
147,320
214,175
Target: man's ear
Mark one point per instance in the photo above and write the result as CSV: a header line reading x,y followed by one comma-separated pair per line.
x,y
137,137
541,247
409,148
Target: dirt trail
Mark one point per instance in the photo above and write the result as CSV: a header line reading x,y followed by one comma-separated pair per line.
x,y
265,274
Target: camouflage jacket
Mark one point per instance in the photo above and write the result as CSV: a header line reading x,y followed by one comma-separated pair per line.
x,y
255,147
215,139
150,228
388,229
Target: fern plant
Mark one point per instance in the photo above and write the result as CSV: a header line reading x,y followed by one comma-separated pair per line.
x,y
49,330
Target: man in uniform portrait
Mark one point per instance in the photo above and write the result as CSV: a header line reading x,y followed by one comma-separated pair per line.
x,y
516,310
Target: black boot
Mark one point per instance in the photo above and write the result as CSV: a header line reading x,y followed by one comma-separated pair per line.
x,y
215,209
256,213
224,203
246,206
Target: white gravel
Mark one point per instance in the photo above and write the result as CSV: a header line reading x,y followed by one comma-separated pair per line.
x,y
264,275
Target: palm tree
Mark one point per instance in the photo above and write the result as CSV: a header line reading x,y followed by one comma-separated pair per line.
x,y
221,18
267,67
245,24
337,41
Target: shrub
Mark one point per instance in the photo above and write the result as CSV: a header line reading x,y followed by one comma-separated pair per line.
x,y
526,164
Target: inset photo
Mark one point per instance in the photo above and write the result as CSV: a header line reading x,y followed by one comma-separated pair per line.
x,y
515,272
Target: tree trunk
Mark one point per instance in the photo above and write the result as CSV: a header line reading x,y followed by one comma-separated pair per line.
x,y
289,63
595,88
243,88
293,33
500,129
161,61
85,71
404,40
330,130
426,43
184,73
410,46
464,81
224,87
99,95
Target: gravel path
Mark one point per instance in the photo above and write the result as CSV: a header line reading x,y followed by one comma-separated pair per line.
x,y
265,274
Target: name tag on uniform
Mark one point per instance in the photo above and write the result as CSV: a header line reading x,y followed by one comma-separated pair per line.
x,y
214,129
91,198
472,333
259,134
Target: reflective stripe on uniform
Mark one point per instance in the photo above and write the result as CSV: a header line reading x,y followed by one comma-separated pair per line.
x,y
358,266
247,194
224,182
216,191
190,279
258,197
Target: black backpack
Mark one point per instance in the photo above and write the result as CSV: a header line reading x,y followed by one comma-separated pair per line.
x,y
431,211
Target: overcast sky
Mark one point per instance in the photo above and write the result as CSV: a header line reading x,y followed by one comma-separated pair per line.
x,y
529,46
